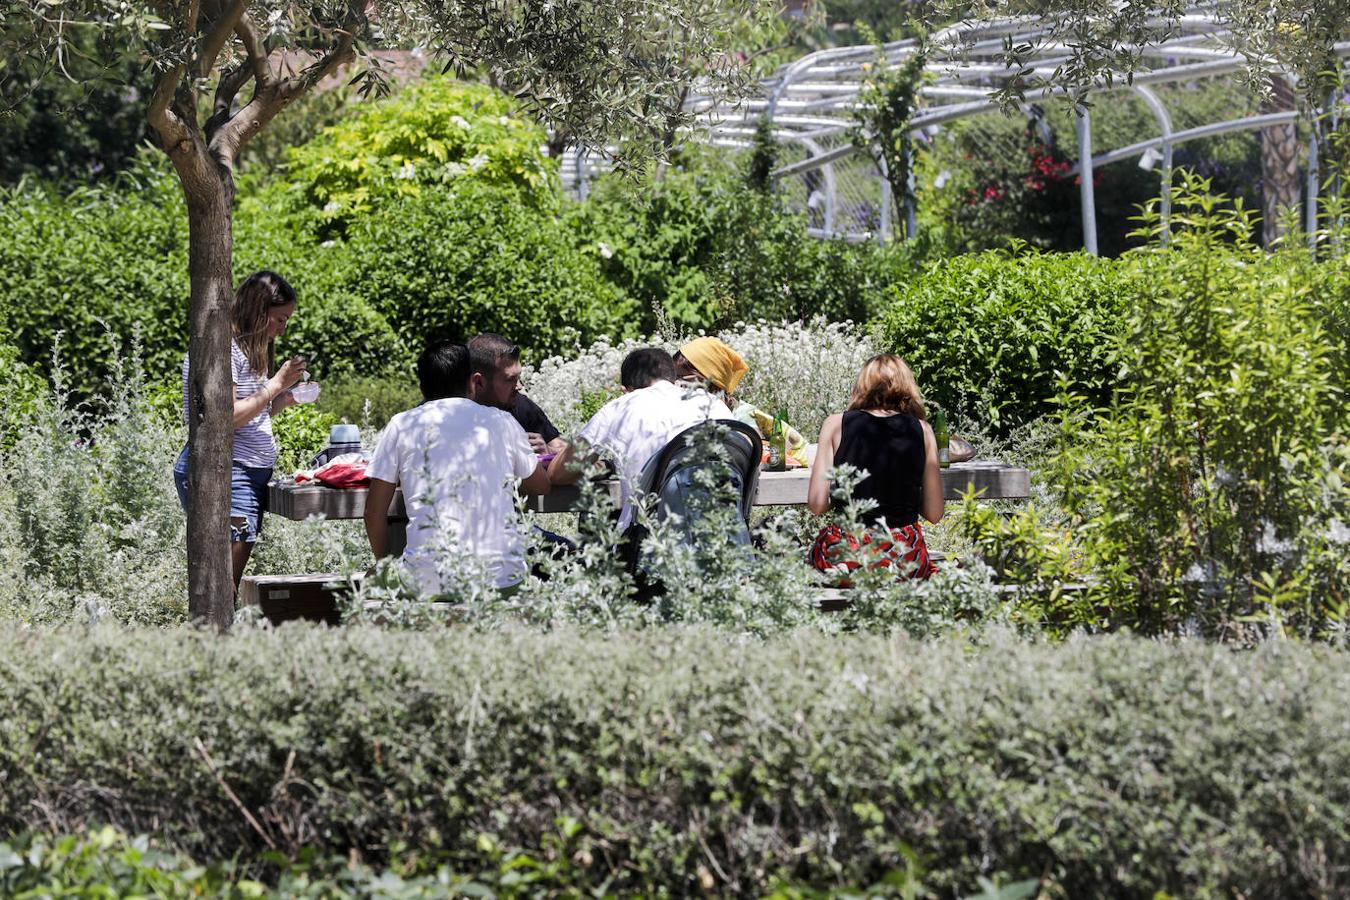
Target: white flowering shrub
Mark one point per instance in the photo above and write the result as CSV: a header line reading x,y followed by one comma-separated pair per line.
x,y
806,370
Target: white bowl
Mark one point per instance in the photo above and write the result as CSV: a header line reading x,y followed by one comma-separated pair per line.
x,y
305,392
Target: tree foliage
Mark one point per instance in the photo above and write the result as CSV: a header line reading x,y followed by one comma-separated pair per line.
x,y
1103,40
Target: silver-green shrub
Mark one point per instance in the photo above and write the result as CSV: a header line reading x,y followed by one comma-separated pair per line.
x,y
1111,766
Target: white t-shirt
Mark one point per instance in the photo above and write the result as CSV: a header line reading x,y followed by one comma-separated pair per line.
x,y
458,463
633,428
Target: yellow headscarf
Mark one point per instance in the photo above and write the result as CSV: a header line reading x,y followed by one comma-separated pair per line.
x,y
716,362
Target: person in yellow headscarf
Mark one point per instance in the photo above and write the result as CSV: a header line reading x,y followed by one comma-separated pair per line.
x,y
709,360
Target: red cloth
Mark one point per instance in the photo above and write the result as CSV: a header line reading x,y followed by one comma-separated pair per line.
x,y
343,475
906,552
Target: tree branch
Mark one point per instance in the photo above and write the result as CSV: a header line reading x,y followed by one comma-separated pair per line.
x,y
231,82
214,41
341,54
276,95
257,52
166,124
254,66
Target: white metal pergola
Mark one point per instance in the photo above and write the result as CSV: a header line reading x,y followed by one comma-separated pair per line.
x,y
811,101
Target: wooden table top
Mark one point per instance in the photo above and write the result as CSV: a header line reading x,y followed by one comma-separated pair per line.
x,y
993,481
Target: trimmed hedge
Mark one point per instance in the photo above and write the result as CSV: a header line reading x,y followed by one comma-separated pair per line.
x,y
473,257
987,333
665,763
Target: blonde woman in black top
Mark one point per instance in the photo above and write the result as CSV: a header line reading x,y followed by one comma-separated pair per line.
x,y
885,435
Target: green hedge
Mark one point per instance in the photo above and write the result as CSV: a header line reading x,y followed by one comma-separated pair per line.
x,y
91,261
987,333
661,762
706,249
448,264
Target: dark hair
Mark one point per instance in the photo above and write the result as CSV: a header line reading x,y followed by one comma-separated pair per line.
x,y
443,371
256,297
488,350
645,367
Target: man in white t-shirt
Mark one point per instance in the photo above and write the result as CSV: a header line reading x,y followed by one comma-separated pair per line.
x,y
633,428
458,463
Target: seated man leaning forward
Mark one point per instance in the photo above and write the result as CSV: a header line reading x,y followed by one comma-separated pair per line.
x,y
457,462
496,382
633,428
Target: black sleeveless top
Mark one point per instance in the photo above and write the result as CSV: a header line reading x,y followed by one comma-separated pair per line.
x,y
890,449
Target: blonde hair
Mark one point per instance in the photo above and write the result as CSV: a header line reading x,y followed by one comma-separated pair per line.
x,y
260,293
886,383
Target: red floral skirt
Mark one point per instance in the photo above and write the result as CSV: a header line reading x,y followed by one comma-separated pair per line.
x,y
835,551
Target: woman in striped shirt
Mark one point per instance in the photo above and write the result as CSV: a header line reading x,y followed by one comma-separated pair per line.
x,y
262,306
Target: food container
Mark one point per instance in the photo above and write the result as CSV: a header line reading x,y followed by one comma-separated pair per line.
x,y
344,438
305,392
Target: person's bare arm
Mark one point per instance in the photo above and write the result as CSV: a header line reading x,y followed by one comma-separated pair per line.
x,y
557,445
818,488
933,503
247,409
563,470
537,482
377,516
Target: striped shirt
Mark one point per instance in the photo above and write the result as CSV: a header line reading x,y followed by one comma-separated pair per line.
x,y
253,443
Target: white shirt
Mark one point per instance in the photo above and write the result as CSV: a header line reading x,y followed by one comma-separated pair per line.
x,y
458,463
633,428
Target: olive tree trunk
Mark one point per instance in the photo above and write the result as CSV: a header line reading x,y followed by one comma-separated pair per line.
x,y
204,157
210,403
1280,155
207,180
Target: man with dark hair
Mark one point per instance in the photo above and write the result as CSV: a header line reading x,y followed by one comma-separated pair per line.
x,y
633,428
496,382
641,368
456,461
443,372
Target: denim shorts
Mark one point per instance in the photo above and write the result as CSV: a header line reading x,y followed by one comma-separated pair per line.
x,y
248,496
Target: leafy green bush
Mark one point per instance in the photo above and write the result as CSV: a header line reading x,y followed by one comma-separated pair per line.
x,y
426,139
1213,492
371,402
987,334
704,249
93,260
301,431
114,259
677,761
118,254
471,258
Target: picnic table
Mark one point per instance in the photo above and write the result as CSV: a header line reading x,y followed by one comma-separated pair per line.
x,y
992,480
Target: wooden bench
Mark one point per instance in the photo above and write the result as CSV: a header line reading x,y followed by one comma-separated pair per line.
x,y
286,598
